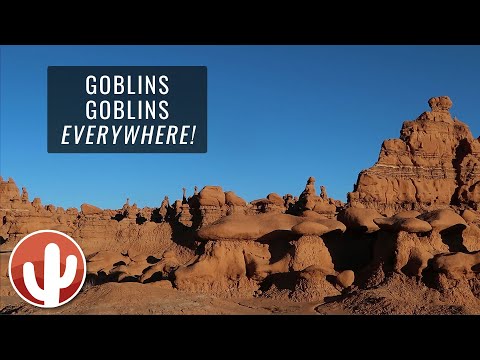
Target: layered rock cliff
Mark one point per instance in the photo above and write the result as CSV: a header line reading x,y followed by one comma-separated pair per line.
x,y
434,164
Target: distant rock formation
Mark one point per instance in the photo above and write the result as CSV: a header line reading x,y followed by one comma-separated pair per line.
x,y
10,193
321,204
435,163
211,204
233,200
88,209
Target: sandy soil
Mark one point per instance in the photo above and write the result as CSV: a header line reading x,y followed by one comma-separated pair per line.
x,y
136,298
399,295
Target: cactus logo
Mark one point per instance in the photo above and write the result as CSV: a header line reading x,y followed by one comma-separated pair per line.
x,y
47,268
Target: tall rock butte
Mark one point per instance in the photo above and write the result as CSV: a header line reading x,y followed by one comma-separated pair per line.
x,y
435,163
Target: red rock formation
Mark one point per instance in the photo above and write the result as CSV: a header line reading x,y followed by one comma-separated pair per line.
x,y
468,191
234,200
185,216
212,196
435,163
309,200
88,209
302,249
212,204
264,205
10,193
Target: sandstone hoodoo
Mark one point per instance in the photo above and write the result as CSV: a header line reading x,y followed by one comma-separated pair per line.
x,y
406,242
435,163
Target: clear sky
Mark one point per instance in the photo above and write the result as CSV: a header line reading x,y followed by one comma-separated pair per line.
x,y
276,115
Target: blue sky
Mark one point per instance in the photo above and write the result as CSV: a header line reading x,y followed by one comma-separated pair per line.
x,y
276,115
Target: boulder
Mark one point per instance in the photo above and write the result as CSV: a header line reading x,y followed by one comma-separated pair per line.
x,y
247,227
358,219
232,199
211,196
397,224
310,228
332,225
413,225
88,209
444,219
276,199
345,279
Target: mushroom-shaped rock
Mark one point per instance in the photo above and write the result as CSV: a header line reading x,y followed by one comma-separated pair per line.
x,y
310,228
211,196
385,223
443,219
333,225
233,199
247,227
359,219
345,279
413,225
88,209
410,225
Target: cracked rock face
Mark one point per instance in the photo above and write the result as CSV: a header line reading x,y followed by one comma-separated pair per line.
x,y
435,163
